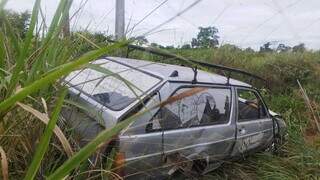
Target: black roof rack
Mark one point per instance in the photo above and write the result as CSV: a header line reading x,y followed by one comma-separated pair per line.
x,y
158,52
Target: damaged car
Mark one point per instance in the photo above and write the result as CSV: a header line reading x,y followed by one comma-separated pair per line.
x,y
192,135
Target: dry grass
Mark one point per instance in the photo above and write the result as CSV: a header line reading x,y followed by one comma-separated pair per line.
x,y
4,164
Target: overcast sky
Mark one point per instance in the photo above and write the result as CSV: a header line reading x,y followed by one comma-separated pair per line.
x,y
241,22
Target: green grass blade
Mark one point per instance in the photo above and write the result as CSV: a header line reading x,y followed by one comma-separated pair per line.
x,y
118,76
2,53
45,139
32,25
50,41
109,163
24,52
56,49
59,73
105,71
10,35
55,21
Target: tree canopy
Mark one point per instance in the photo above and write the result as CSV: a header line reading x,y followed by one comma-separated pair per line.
x,y
206,38
18,21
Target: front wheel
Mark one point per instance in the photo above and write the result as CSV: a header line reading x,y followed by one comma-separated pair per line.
x,y
276,145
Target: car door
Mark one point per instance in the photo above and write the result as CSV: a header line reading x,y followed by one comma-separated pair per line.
x,y
142,147
254,126
197,127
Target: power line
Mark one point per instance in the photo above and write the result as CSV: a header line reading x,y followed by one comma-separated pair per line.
x,y
103,17
182,17
311,24
267,20
78,12
287,20
221,13
146,16
172,18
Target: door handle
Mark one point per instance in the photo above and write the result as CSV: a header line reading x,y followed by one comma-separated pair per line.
x,y
242,131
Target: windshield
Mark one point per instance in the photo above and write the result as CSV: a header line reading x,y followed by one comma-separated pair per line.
x,y
112,84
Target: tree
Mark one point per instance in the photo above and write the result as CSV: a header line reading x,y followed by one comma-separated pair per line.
x,y
18,21
155,45
206,38
194,43
249,50
83,45
140,40
230,47
283,48
299,48
99,37
266,47
169,47
186,46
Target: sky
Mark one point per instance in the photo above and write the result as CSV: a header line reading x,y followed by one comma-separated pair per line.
x,y
245,23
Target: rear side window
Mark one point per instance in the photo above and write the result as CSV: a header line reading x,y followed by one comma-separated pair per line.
x,y
250,106
112,84
208,107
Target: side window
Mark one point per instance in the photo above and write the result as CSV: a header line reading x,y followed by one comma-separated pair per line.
x,y
250,106
208,107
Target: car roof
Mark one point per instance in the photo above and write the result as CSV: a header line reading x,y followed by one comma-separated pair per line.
x,y
165,71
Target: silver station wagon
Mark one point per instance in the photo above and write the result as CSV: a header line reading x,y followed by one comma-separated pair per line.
x,y
224,120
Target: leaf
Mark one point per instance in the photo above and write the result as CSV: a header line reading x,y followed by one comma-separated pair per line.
x,y
116,75
45,139
27,43
88,40
51,39
57,131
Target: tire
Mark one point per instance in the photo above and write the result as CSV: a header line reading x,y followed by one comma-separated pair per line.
x,y
84,129
83,126
275,146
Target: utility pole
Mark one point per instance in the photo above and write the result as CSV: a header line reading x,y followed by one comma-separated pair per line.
x,y
120,19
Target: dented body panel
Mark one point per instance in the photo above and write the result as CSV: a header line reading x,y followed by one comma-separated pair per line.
x,y
197,133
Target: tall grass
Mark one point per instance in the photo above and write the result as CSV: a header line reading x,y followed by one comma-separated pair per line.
x,y
45,140
31,68
29,71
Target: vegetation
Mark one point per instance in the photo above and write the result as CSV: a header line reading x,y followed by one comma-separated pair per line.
x,y
207,38
30,68
33,59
